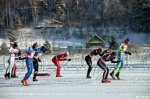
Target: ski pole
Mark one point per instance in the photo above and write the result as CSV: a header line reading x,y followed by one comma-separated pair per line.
x,y
94,71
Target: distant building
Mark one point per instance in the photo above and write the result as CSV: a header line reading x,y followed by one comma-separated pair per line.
x,y
51,23
95,42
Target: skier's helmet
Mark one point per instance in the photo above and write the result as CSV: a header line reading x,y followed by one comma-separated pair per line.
x,y
114,54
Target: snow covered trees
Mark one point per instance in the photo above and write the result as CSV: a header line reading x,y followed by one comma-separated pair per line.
x,y
96,13
4,48
12,37
60,9
48,46
112,42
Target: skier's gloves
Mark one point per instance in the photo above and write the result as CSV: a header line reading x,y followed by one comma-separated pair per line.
x,y
20,58
39,59
126,52
69,59
129,53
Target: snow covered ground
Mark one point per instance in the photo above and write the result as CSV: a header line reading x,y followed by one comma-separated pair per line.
x,y
135,84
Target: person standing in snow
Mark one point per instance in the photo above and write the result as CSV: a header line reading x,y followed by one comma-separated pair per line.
x,y
88,60
102,64
36,59
13,50
29,63
122,51
56,60
14,69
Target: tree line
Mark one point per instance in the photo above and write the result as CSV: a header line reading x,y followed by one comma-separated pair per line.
x,y
134,14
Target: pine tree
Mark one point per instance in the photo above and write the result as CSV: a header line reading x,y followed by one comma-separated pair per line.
x,y
112,42
43,7
11,25
48,46
60,9
12,37
4,48
17,21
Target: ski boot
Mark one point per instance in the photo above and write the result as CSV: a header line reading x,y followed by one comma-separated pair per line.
x,y
25,82
34,79
89,77
14,76
117,75
105,80
7,76
112,75
59,75
108,81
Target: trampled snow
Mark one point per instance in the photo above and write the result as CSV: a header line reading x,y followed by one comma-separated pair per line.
x,y
134,84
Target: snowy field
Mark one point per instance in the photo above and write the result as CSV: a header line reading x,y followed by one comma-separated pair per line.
x,y
135,84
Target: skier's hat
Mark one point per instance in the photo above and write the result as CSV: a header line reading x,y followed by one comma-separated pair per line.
x,y
15,45
35,45
127,39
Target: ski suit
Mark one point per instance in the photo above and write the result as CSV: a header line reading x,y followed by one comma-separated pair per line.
x,y
102,63
56,60
36,59
121,54
29,62
88,60
11,60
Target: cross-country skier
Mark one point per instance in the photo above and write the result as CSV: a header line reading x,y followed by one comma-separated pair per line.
x,y
36,59
88,60
122,51
14,69
13,50
29,62
102,64
56,60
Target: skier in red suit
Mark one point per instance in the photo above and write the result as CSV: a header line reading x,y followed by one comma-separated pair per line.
x,y
56,59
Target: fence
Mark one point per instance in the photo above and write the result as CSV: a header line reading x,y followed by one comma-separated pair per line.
x,y
136,60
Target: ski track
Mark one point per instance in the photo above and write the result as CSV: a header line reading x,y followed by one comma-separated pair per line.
x,y
135,84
